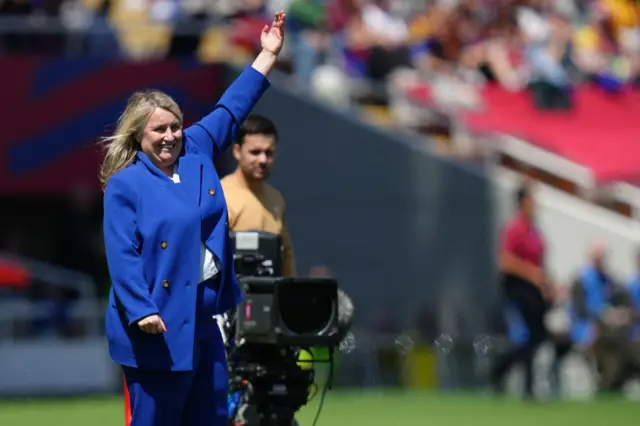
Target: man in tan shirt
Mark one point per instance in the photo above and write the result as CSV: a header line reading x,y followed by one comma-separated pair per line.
x,y
254,204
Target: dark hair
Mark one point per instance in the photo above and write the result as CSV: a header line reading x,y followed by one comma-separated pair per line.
x,y
256,125
521,194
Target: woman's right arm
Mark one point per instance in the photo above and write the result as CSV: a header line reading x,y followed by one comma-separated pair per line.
x,y
123,243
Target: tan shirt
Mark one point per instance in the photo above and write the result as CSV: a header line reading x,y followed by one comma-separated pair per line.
x,y
263,210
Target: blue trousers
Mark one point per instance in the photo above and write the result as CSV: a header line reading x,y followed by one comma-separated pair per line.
x,y
182,398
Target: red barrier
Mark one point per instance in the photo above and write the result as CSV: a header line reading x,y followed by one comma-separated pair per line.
x,y
597,133
13,275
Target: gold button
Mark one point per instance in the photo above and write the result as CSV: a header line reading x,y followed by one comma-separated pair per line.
x,y
165,284
212,191
164,244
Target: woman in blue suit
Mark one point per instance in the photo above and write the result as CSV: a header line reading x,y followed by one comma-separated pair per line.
x,y
168,249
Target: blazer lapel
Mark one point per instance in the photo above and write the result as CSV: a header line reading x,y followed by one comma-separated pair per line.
x,y
152,167
190,171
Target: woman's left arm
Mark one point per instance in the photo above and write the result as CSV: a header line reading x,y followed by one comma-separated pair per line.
x,y
214,133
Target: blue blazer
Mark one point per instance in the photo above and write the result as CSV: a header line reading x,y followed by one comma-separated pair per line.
x,y
596,290
153,229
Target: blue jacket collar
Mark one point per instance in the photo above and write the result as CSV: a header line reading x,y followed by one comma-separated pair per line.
x,y
189,168
152,167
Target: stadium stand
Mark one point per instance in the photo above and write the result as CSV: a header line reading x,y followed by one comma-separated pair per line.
x,y
572,133
475,80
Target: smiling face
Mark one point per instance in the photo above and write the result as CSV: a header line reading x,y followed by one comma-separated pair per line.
x,y
162,138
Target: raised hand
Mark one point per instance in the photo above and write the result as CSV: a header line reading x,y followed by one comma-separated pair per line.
x,y
272,37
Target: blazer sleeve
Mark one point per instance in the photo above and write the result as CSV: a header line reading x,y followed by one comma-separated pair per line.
x,y
215,132
122,244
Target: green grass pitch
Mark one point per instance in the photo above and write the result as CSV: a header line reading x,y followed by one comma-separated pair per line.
x,y
354,408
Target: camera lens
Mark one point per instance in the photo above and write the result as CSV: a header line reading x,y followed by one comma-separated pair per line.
x,y
306,308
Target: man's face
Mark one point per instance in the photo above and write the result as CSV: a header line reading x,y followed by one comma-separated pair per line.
x,y
256,156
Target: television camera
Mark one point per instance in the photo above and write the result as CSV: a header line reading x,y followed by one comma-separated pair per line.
x,y
265,334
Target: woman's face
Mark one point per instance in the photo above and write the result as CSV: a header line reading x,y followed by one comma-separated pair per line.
x,y
528,205
162,138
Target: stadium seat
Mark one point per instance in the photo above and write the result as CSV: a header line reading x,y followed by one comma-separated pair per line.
x,y
377,114
243,32
144,40
214,45
92,4
139,37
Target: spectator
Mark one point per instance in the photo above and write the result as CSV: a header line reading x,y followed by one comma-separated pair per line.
x,y
465,38
309,37
389,34
598,53
624,16
248,19
435,46
551,63
634,293
601,321
625,22
188,29
101,40
503,46
526,288
374,38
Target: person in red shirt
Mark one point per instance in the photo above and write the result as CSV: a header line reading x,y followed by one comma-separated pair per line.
x,y
525,287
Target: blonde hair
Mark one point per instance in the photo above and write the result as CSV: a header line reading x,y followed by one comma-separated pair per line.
x,y
121,148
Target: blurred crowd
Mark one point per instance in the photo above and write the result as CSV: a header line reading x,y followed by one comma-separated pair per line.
x,y
512,42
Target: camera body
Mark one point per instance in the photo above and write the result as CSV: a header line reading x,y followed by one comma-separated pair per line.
x,y
288,312
269,385
265,333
